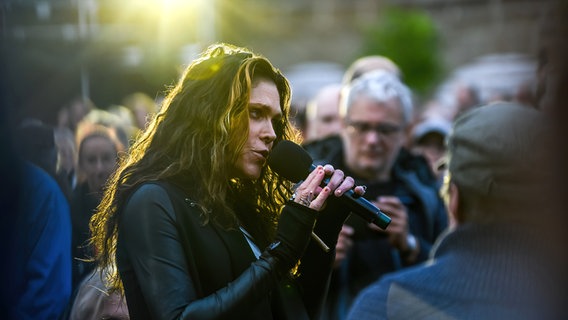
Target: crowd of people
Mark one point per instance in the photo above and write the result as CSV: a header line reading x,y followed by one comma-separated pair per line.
x,y
163,210
64,167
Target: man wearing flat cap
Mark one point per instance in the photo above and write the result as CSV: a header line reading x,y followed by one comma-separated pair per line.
x,y
496,260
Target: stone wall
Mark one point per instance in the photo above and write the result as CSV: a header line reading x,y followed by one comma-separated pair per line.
x,y
332,31
468,28
70,58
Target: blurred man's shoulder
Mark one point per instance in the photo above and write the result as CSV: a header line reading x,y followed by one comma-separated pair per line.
x,y
324,148
416,164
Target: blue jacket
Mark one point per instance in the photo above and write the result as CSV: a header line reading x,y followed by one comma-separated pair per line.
x,y
487,271
37,273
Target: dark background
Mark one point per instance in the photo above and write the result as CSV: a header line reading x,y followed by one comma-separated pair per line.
x,y
55,50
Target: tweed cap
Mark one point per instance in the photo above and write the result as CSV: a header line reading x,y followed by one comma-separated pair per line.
x,y
501,151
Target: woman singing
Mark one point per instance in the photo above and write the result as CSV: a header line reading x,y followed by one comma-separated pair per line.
x,y
197,224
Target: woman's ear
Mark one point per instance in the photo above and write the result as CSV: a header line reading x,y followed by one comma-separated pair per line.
x,y
455,215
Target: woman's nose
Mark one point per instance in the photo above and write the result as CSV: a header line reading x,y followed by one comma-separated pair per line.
x,y
268,132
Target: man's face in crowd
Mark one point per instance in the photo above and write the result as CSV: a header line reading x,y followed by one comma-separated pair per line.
x,y
327,121
373,133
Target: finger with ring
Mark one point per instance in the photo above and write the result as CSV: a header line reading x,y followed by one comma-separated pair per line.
x,y
307,200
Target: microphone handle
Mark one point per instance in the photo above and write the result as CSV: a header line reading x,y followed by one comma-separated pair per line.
x,y
372,214
362,207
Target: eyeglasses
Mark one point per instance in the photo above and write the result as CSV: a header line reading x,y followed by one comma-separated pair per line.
x,y
362,128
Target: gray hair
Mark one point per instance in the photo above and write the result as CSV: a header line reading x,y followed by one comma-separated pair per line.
x,y
380,86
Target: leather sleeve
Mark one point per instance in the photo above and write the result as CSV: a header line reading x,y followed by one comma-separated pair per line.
x,y
316,266
149,238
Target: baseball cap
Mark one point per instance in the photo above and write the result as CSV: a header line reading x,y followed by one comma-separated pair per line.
x,y
501,151
437,125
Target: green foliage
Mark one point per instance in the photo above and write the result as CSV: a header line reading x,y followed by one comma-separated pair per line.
x,y
410,39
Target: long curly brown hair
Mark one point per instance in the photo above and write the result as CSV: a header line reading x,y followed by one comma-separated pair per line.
x,y
195,140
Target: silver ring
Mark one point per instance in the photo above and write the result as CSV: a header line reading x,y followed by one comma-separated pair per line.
x,y
307,200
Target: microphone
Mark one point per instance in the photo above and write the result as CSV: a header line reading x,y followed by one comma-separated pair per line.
x,y
292,162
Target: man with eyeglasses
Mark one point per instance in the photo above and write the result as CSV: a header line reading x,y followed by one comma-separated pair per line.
x,y
504,255
376,109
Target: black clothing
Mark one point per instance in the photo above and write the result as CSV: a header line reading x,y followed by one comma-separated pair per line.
x,y
83,206
372,255
175,267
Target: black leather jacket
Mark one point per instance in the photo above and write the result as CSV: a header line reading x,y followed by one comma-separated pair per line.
x,y
174,267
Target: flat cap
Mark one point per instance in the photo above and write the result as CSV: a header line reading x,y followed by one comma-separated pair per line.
x,y
501,151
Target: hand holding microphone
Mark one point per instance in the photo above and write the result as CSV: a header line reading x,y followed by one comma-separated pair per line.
x,y
292,162
295,226
323,180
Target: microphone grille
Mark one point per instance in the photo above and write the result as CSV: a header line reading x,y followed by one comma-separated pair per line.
x,y
290,161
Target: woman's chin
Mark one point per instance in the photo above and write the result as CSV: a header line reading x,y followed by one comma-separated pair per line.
x,y
248,174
